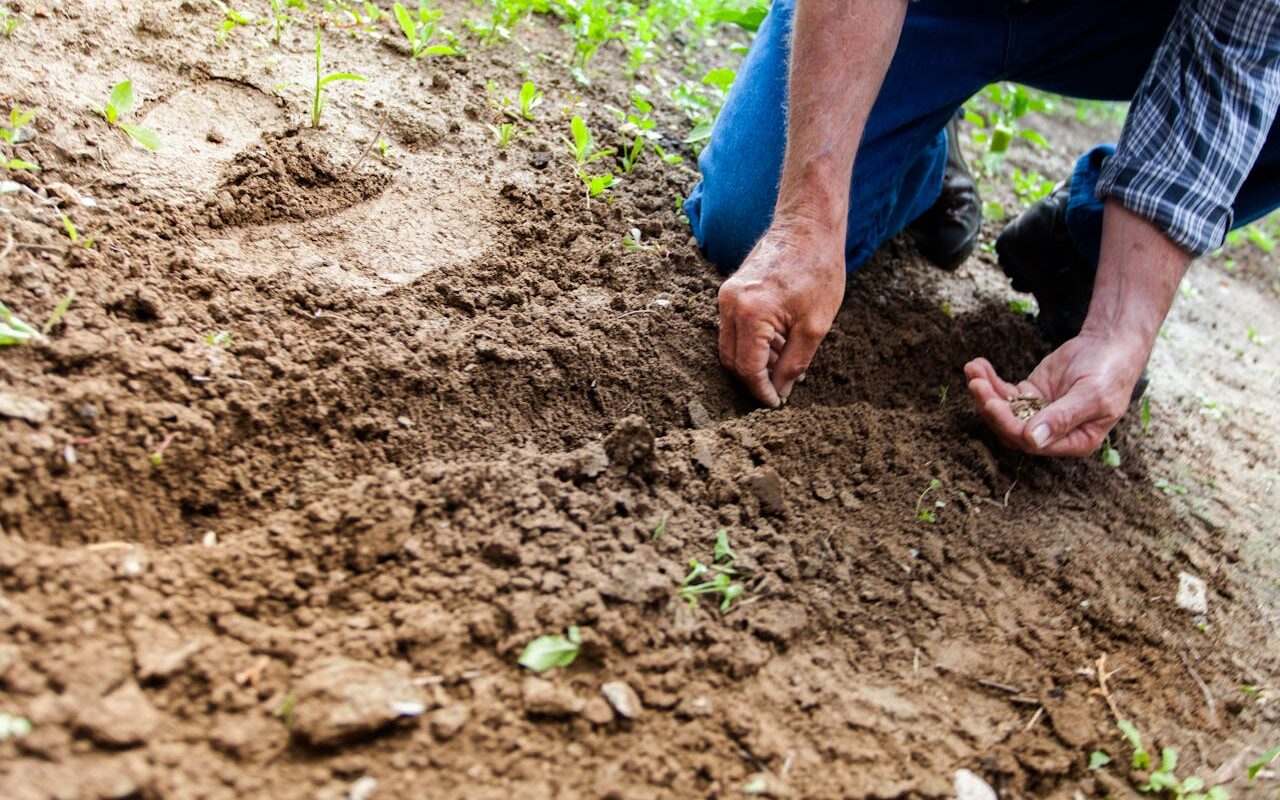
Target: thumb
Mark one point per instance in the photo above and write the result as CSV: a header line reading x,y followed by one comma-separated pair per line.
x,y
1061,418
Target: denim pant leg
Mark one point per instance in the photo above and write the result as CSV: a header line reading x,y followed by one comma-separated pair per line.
x,y
947,51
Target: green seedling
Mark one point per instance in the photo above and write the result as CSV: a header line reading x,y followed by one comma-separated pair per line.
x,y
505,133
530,98
59,311
232,19
661,530
1261,763
1023,306
631,155
595,184
583,147
1164,781
13,727
1141,758
18,119
419,29
121,103
1145,414
219,339
549,652
74,234
1098,760
1109,455
13,330
8,22
942,395
1168,487
322,80
284,712
719,576
927,513
720,78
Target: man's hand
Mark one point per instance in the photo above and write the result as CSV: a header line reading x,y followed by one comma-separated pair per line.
x,y
776,309
1086,383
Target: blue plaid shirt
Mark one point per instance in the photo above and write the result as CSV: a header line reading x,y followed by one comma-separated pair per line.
x,y
1199,120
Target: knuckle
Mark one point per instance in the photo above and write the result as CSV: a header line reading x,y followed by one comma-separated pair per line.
x,y
813,328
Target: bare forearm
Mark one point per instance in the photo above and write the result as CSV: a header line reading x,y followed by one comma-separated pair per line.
x,y
840,52
1138,274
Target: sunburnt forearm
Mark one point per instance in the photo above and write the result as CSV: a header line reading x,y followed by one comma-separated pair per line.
x,y
840,52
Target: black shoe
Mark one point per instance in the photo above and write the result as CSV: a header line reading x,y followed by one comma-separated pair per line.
x,y
1037,254
947,232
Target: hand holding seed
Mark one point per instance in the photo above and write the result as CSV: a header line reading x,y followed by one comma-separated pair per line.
x,y
1068,404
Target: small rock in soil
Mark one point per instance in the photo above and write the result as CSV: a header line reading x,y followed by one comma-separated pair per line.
x,y
630,442
160,653
702,454
764,784
20,407
363,788
597,711
447,722
698,416
344,700
1192,594
543,698
971,786
767,486
623,699
121,719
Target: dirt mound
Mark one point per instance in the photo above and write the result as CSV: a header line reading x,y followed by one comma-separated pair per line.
x,y
286,178
321,447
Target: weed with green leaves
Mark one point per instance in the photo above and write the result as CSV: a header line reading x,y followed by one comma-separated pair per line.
x,y
120,103
1109,455
420,28
9,22
14,330
231,19
322,80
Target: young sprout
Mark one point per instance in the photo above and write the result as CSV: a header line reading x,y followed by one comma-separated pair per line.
x,y
121,103
722,573
58,312
505,133
1109,455
583,146
8,22
925,513
596,184
420,30
11,136
232,18
1267,757
73,233
219,339
1023,306
13,330
530,98
1141,759
548,652
1098,760
322,80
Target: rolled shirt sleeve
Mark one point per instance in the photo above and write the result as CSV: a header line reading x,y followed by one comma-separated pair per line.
x,y
1199,120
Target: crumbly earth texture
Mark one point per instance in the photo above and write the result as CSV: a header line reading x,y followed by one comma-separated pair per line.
x,y
453,411
1026,406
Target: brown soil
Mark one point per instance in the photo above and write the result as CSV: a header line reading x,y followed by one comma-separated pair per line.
x,y
448,418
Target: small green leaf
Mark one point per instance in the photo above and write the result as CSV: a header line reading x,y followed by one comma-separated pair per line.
x,y
581,137
549,652
406,25
438,50
723,552
700,133
1000,139
341,76
1098,760
121,99
1034,136
722,78
143,136
1141,759
17,163
1267,758
58,311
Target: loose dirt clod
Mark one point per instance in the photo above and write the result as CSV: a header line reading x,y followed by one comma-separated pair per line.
x,y
343,700
623,699
1026,406
121,719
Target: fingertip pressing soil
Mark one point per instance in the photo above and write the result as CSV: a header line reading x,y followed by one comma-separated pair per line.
x,y
327,438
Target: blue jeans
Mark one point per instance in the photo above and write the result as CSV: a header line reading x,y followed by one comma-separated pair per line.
x,y
1097,49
